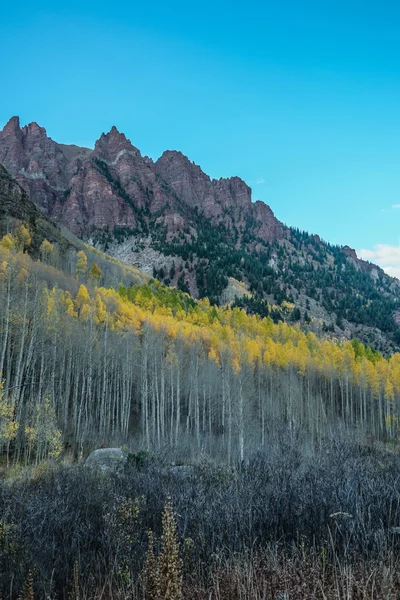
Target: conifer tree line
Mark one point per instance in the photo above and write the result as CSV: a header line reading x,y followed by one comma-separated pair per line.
x,y
83,365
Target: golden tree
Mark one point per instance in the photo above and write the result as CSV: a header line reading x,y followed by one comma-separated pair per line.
x,y
82,264
23,237
94,272
46,250
8,425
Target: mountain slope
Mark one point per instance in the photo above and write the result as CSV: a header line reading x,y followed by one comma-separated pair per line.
x,y
170,219
15,206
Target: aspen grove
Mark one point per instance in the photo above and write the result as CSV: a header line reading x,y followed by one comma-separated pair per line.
x,y
84,365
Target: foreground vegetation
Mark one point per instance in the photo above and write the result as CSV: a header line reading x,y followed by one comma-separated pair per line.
x,y
294,524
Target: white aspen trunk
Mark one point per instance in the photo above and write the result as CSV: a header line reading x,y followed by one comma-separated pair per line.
x,y
162,395
178,404
196,401
228,400
223,407
171,404
145,397
241,420
7,323
18,375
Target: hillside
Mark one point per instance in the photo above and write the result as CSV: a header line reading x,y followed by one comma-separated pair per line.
x,y
83,364
171,220
15,207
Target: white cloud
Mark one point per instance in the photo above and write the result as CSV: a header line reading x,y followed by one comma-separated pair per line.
x,y
261,180
393,271
387,257
395,205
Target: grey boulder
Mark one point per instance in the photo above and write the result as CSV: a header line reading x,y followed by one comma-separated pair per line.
x,y
106,459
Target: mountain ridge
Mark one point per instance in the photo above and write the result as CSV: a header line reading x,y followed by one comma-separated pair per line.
x,y
171,219
53,173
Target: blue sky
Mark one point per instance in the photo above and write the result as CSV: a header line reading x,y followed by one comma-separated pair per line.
x,y
300,99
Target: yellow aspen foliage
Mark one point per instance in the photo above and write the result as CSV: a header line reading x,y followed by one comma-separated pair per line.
x,y
389,390
287,307
82,296
235,365
204,304
22,274
94,272
83,303
303,356
395,370
223,334
172,328
46,250
69,305
8,426
3,267
252,349
85,312
165,311
23,237
382,371
8,242
372,377
313,342
81,264
100,311
391,421
270,353
51,303
214,356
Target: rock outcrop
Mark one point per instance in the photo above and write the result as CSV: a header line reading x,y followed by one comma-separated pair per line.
x,y
41,166
113,185
226,201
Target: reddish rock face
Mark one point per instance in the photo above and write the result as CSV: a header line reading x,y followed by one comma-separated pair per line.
x,y
350,252
41,166
109,186
223,200
268,227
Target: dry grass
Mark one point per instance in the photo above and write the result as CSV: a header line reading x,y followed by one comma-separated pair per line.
x,y
266,577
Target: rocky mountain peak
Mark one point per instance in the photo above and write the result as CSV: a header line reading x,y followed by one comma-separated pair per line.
x,y
350,252
12,127
232,192
173,164
114,144
66,183
34,130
